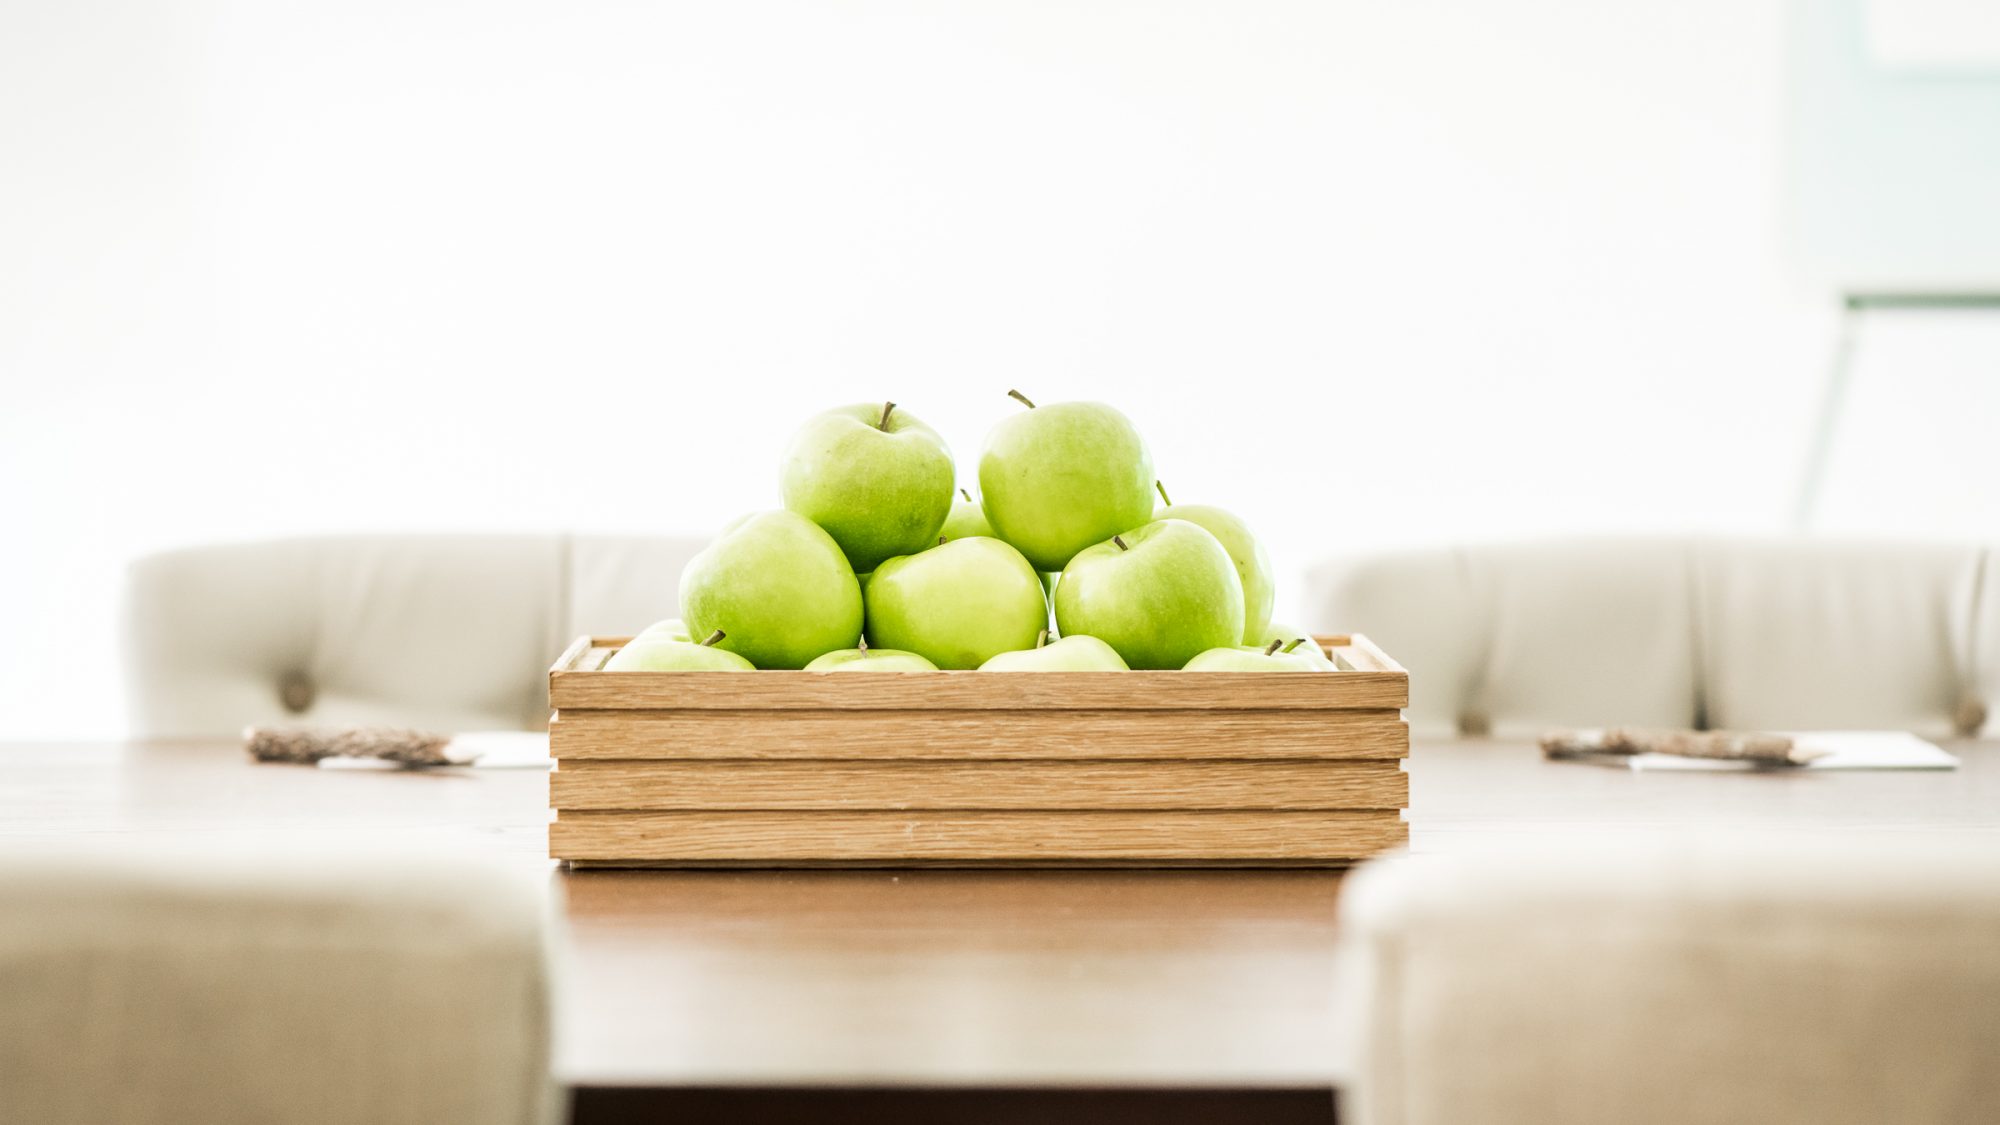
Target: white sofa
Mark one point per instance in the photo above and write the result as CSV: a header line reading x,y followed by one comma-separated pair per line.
x,y
234,980
1512,639
456,632
1760,978
438,631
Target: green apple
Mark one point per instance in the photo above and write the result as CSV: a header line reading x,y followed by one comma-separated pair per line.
x,y
1159,595
1056,479
1278,631
967,519
1302,643
959,603
1070,654
865,659
877,480
1291,638
1310,648
672,629
659,654
1253,562
778,587
1274,657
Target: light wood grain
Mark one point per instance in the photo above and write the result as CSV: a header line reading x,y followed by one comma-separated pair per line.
x,y
1011,863
575,684
979,785
1048,745
776,837
1051,691
960,735
572,658
1365,655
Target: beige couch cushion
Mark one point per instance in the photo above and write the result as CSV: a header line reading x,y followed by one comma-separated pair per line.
x,y
1835,635
232,982
1428,610
1513,639
1769,979
449,632
621,584
1568,643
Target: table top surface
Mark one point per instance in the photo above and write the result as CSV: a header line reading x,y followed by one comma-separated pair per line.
x,y
946,978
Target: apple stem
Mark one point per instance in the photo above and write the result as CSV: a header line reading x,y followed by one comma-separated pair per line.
x,y
941,540
1273,646
1021,398
713,638
1164,498
1042,638
1295,644
1121,543
887,407
967,495
863,645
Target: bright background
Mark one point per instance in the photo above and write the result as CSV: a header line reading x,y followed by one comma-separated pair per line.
x,y
1369,274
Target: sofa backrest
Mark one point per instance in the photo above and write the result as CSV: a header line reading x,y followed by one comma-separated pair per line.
x,y
457,632
1747,634
446,632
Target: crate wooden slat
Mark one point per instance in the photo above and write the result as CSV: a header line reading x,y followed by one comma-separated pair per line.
x,y
577,684
1156,785
960,734
777,836
975,769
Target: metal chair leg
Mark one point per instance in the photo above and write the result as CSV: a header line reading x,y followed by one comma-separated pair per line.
x,y
1833,402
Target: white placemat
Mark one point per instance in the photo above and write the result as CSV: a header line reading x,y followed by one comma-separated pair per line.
x,y
1845,750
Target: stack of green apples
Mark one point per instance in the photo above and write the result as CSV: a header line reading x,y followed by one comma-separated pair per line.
x,y
880,562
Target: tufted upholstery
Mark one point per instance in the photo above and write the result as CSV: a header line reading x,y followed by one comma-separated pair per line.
x,y
1829,978
455,632
448,632
1771,634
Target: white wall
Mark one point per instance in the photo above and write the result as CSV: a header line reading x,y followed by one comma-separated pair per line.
x,y
1368,273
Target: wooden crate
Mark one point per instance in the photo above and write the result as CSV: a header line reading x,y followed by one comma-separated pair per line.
x,y
1018,769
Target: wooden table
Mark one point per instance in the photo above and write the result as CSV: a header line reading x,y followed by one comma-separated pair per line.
x,y
940,995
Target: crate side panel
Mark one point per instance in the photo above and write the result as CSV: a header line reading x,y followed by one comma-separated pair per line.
x,y
779,837
1038,691
766,785
949,735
